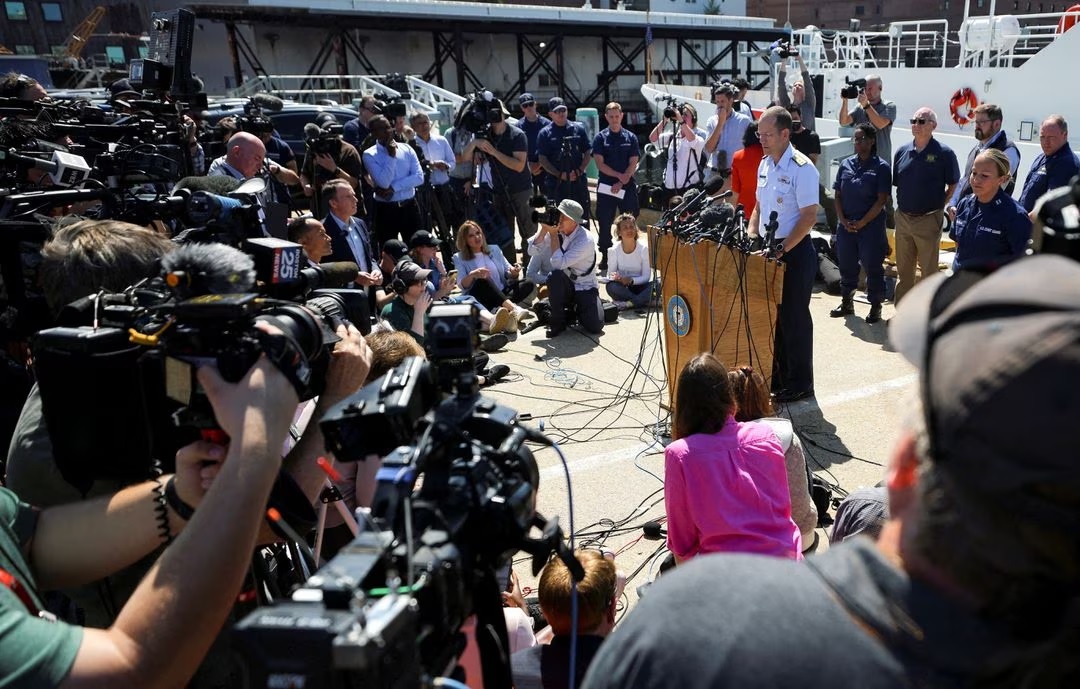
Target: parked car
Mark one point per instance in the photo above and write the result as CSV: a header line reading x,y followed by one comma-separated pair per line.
x,y
289,121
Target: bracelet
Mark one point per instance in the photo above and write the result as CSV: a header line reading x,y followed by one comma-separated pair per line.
x,y
182,509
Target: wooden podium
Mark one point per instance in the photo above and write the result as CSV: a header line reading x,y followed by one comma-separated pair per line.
x,y
716,299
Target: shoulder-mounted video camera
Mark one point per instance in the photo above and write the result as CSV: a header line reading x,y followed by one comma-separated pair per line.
x,y
479,111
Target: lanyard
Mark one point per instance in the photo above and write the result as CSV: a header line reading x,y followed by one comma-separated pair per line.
x,y
16,587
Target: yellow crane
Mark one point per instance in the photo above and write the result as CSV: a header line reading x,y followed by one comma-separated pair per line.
x,y
77,41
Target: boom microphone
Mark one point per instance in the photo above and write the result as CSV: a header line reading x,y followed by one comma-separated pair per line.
x,y
268,101
197,269
217,184
311,131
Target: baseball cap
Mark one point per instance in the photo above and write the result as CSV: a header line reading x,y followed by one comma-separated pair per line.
x,y
422,238
999,383
572,209
526,99
556,103
410,273
396,249
122,88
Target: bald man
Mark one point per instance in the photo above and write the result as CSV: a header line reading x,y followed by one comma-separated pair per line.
x,y
245,159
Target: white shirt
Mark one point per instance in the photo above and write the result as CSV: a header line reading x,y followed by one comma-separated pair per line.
x,y
577,255
630,265
437,149
682,168
785,187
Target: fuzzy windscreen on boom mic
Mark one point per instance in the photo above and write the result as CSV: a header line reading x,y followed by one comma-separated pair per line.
x,y
218,184
197,269
311,131
268,101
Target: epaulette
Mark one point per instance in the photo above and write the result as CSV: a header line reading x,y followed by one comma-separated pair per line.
x,y
799,158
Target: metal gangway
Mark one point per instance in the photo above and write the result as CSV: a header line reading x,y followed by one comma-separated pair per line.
x,y
434,101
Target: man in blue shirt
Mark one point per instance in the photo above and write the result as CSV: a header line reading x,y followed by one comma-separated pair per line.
x,y
395,174
725,130
925,173
563,148
356,130
531,123
1054,167
616,152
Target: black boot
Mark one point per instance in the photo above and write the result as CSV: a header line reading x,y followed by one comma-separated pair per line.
x,y
875,313
846,308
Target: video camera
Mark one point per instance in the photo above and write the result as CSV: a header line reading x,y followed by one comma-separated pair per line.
x,y
387,610
546,212
254,119
479,111
1057,222
674,109
784,50
853,88
138,361
323,137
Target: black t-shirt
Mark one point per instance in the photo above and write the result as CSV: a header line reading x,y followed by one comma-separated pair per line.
x,y
344,154
806,142
512,140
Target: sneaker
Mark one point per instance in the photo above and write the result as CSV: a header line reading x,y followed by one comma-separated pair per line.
x,y
624,305
494,343
525,315
513,320
500,321
495,374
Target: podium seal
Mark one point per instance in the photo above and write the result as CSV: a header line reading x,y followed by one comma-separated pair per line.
x,y
678,315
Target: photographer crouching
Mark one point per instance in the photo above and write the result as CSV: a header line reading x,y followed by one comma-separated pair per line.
x,y
572,283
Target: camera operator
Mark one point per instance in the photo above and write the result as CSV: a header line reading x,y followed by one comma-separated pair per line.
x,y
506,148
684,145
82,259
340,160
532,122
357,130
440,156
616,152
880,113
803,96
246,158
572,282
564,149
171,619
740,100
725,131
21,87
395,173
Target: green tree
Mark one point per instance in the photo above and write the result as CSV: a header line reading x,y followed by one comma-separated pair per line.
x,y
712,7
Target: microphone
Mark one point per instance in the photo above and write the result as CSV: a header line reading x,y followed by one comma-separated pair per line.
x,y
65,169
197,269
690,205
268,101
653,531
325,275
770,231
218,184
311,131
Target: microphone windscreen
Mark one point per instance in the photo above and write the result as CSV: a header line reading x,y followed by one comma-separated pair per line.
x,y
339,273
312,130
218,184
714,185
211,268
268,101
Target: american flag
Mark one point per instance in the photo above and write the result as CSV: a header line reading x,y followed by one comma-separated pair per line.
x,y
648,34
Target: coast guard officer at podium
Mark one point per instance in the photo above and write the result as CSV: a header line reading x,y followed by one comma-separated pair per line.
x,y
788,188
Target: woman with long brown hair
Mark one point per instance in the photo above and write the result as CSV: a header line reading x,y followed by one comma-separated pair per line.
x,y
725,482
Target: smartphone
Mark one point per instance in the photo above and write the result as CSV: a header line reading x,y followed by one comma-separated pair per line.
x,y
503,575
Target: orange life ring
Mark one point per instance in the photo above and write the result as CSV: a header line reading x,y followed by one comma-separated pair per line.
x,y
961,105
1069,19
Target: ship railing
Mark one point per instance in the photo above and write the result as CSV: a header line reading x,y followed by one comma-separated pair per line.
x,y
311,88
1011,45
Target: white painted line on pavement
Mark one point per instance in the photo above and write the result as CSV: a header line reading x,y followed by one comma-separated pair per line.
x,y
868,391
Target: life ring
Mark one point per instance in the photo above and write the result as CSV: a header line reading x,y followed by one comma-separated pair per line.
x,y
1069,19
961,105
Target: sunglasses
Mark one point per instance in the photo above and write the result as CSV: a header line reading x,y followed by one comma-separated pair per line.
x,y
918,120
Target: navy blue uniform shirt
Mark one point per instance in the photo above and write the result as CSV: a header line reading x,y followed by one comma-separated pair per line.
x,y
617,150
989,231
921,177
532,131
565,147
860,183
1048,172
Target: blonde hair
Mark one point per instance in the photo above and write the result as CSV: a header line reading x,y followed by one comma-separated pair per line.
x,y
999,159
462,240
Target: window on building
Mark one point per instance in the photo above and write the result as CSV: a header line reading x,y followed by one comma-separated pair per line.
x,y
51,12
115,53
25,50
15,11
144,52
860,10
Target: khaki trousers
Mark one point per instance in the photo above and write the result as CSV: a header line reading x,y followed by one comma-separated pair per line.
x,y
918,240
